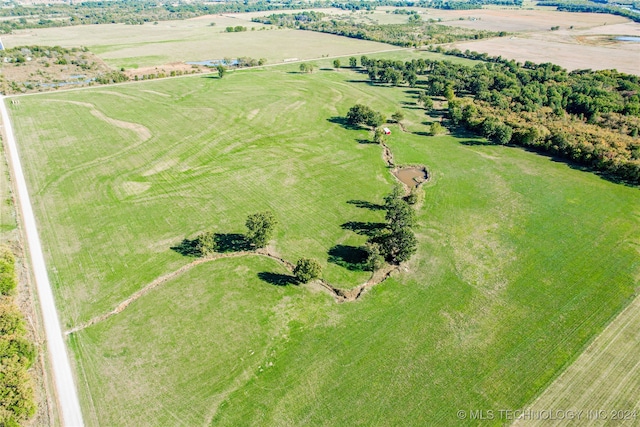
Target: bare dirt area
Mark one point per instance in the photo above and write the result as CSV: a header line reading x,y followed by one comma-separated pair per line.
x,y
583,40
521,20
571,54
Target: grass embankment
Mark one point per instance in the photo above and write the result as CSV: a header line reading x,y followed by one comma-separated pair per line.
x,y
521,260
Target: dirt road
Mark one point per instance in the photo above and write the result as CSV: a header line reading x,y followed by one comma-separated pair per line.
x,y
65,388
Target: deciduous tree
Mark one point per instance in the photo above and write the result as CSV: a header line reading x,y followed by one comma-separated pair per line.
x,y
260,228
307,269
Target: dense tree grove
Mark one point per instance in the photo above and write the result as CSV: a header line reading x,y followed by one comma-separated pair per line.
x,y
589,117
16,352
396,242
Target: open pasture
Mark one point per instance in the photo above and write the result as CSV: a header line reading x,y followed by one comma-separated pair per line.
x,y
521,260
136,46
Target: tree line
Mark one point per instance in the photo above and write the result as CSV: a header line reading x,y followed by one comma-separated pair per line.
x,y
589,117
414,33
590,7
17,353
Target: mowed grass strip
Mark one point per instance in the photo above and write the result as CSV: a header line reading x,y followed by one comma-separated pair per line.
x,y
521,261
603,384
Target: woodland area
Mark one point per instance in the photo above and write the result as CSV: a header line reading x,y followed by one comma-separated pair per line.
x,y
590,118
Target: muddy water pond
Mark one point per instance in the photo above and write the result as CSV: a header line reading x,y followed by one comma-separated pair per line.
x,y
411,176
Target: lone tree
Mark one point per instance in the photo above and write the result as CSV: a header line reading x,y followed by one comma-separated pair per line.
x,y
306,68
260,227
221,71
362,115
353,62
378,136
307,269
336,63
398,116
207,243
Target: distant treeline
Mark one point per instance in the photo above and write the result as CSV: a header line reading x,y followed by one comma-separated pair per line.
x,y
141,11
131,12
414,33
589,117
592,8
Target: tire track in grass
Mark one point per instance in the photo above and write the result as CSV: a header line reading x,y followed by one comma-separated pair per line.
x,y
143,134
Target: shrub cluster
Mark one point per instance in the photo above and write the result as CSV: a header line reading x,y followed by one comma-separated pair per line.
x,y
17,353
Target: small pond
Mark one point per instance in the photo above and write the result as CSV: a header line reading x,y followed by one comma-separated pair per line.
x,y
213,62
411,176
628,39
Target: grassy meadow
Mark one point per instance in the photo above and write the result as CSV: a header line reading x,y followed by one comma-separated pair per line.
x,y
521,262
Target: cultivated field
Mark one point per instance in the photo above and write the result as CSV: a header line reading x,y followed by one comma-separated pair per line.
x,y
584,40
521,261
582,37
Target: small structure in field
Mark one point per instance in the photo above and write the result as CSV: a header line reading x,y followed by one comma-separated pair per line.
x,y
386,131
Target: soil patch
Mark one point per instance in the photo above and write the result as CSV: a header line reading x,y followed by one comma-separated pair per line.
x,y
411,176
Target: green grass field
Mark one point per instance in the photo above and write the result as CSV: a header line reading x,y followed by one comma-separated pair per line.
x,y
134,46
7,215
522,260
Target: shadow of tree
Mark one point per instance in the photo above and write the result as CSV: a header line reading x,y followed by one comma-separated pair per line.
x,y
231,242
365,141
364,228
188,248
342,121
349,257
366,205
477,142
277,279
224,242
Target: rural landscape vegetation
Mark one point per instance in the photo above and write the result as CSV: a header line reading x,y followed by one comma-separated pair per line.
x,y
324,213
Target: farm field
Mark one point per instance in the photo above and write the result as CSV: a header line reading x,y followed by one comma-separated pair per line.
x,y
167,42
581,37
522,260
